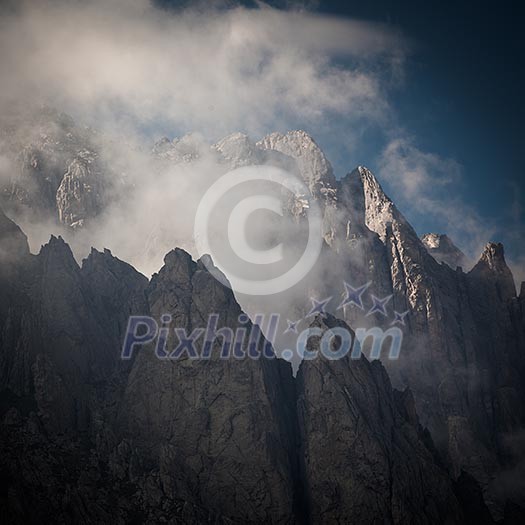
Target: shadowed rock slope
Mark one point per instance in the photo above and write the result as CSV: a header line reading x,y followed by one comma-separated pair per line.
x,y
89,438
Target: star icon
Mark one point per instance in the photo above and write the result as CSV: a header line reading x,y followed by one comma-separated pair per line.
x,y
354,295
399,318
292,326
379,305
318,307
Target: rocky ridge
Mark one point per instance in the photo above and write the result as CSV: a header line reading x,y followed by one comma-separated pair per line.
x,y
463,351
89,437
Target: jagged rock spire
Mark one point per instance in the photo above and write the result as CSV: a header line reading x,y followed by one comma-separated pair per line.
x,y
493,267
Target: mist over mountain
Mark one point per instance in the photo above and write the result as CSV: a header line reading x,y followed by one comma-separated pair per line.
x,y
176,445
234,286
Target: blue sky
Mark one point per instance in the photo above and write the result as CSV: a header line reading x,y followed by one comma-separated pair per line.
x,y
462,98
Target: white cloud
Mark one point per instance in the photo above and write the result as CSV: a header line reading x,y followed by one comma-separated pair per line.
x,y
428,186
210,70
130,67
414,171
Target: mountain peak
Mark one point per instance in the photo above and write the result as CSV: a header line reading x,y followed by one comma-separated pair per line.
x,y
380,211
177,257
55,242
238,149
494,256
234,137
314,166
103,260
58,249
441,247
492,265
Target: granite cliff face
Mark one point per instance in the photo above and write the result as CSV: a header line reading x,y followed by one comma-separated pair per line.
x,y
213,437
219,431
88,437
182,437
354,429
464,358
463,352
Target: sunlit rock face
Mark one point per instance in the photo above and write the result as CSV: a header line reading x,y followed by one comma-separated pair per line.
x,y
313,165
463,350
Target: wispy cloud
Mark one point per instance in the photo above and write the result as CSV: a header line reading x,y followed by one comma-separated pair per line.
x,y
428,186
210,69
135,68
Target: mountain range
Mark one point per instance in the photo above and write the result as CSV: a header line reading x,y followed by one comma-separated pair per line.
x,y
436,436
